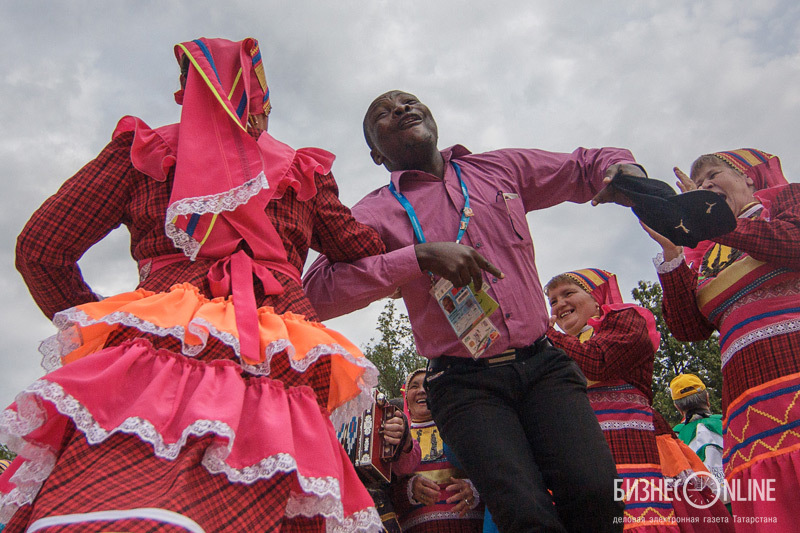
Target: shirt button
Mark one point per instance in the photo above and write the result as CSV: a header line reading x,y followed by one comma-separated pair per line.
x,y
494,280
478,245
508,315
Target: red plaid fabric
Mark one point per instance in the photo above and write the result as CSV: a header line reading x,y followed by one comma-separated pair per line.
x,y
619,350
759,363
632,446
662,426
774,241
122,473
754,364
679,305
108,192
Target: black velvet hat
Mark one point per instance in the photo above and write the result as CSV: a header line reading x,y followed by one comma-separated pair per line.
x,y
685,219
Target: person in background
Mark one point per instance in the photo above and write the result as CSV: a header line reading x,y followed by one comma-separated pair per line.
x,y
700,429
454,216
745,285
437,496
614,344
396,432
201,400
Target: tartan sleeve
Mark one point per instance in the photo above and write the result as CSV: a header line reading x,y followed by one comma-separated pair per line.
x,y
84,210
775,241
336,233
617,347
679,305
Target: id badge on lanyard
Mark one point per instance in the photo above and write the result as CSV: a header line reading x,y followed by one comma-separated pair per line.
x,y
466,311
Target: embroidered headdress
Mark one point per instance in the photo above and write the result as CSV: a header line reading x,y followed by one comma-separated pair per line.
x,y
763,168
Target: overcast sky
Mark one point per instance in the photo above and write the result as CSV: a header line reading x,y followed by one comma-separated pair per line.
x,y
668,80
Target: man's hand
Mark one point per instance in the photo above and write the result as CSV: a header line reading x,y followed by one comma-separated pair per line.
x,y
609,194
457,263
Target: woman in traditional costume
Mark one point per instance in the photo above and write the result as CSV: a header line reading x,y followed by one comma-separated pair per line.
x,y
437,496
614,344
745,285
201,401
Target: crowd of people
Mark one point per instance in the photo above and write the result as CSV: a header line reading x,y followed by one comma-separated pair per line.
x,y
206,399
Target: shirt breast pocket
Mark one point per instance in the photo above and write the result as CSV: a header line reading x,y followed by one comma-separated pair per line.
x,y
511,215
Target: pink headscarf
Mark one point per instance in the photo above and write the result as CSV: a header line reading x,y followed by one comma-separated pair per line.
x,y
223,177
602,286
765,171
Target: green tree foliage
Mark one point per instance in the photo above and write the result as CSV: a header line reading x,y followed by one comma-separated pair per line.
x,y
394,353
674,357
5,453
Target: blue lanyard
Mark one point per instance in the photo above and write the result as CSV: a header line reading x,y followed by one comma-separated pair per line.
x,y
466,213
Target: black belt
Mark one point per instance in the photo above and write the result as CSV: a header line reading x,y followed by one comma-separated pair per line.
x,y
512,355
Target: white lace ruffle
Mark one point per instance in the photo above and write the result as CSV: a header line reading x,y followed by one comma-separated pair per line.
x,y
613,425
410,491
209,204
476,497
30,475
68,339
182,241
662,267
363,521
321,496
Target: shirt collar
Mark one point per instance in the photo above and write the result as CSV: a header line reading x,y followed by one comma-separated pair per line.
x,y
453,152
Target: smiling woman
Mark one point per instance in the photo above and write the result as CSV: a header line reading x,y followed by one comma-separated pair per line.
x,y
437,496
417,399
614,344
572,306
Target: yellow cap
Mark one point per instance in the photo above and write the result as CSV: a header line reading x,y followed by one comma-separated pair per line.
x,y
684,385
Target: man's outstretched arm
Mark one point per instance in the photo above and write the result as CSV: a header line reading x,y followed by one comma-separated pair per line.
x,y
336,289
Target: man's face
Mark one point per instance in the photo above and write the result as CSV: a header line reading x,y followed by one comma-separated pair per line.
x,y
399,125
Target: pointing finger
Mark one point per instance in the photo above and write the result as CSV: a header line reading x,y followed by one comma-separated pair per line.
x,y
488,267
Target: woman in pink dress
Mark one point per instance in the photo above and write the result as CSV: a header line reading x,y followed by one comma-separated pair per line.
x,y
201,400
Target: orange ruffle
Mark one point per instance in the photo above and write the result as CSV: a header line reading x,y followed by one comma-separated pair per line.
x,y
676,457
183,312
